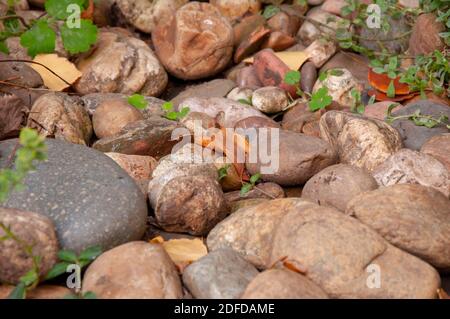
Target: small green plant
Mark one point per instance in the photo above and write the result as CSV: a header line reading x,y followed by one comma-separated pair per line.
x,y
246,187
357,105
270,11
223,171
418,119
320,99
293,78
32,149
246,102
138,101
173,115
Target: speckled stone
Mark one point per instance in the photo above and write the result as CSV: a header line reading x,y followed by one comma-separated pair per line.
x,y
90,199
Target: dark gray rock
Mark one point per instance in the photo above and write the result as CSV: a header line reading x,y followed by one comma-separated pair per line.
x,y
222,274
415,136
89,198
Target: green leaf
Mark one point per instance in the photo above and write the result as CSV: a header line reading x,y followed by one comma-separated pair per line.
x,y
90,253
320,99
39,39
4,47
255,178
390,109
292,77
371,100
391,89
67,255
336,72
58,8
378,70
89,295
270,11
30,277
78,40
57,270
167,106
172,116
244,101
138,101
19,292
223,171
245,189
184,111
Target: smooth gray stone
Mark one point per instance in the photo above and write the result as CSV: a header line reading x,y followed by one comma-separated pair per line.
x,y
90,199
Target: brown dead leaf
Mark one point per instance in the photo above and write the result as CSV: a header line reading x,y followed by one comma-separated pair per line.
x,y
61,66
293,265
293,59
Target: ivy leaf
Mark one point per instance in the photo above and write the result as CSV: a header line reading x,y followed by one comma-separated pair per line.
x,y
89,254
270,11
58,8
138,101
19,292
320,99
77,40
39,39
67,255
57,270
391,89
292,77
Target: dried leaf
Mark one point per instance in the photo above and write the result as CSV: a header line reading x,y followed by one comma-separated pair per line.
x,y
89,12
293,59
61,66
185,251
157,240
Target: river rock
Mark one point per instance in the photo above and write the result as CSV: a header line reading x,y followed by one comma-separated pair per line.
x,y
136,270
121,64
439,147
415,136
343,257
358,65
411,167
308,75
13,114
300,157
235,9
240,94
222,274
282,284
146,14
308,32
379,110
359,141
425,37
414,218
194,43
320,51
89,198
298,116
151,137
247,78
250,231
32,229
336,185
261,191
270,99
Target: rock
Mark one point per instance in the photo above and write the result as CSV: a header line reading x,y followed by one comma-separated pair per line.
x,y
358,65
263,190
252,43
378,110
140,168
185,195
40,292
340,83
359,141
409,3
412,217
247,78
415,136
89,198
94,100
315,2
32,229
308,77
343,257
278,41
230,112
214,88
195,43
333,6
12,116
112,116
256,122
240,94
270,99
249,231
246,26
320,51
151,137
298,116
308,32
284,23
300,157
439,147
390,40
146,14
222,274
425,37
121,64
244,203
282,284
411,167
150,275
235,9
336,185
24,76
61,116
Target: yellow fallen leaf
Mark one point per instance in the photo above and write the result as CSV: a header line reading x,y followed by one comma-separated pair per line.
x,y
293,59
185,251
157,240
61,66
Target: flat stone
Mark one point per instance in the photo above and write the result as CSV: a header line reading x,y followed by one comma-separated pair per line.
x,y
439,147
89,198
222,274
